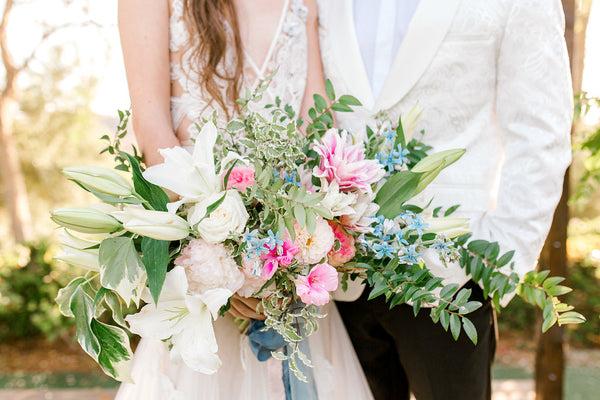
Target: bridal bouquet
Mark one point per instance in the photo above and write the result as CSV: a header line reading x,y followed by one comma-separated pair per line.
x,y
265,210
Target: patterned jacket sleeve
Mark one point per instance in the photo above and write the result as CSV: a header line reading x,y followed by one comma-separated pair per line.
x,y
534,110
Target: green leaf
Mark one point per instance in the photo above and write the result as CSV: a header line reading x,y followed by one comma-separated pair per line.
x,y
448,290
329,90
349,100
478,246
115,352
455,326
445,320
300,215
451,210
156,197
470,330
320,102
571,317
121,268
548,322
398,189
552,281
113,302
235,125
558,290
341,107
506,257
156,260
214,205
82,308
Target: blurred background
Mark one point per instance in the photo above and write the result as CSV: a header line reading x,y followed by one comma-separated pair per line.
x,y
61,84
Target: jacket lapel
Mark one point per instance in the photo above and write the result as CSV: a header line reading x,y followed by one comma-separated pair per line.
x,y
347,51
427,29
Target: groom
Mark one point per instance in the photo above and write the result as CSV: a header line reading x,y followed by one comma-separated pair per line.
x,y
492,77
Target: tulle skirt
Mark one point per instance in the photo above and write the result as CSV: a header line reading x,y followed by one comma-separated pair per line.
x,y
337,370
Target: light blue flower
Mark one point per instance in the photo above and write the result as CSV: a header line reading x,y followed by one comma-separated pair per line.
x,y
384,249
410,255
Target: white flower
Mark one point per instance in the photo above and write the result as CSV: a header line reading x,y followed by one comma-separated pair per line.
x,y
230,216
79,252
336,202
313,248
103,180
160,225
411,120
450,227
364,214
85,220
192,176
184,319
209,266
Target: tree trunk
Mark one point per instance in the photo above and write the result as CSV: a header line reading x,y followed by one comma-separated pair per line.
x,y
13,181
550,360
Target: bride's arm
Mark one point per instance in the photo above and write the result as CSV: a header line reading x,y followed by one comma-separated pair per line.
x,y
315,81
144,30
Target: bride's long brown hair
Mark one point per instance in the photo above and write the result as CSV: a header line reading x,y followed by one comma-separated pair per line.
x,y
208,21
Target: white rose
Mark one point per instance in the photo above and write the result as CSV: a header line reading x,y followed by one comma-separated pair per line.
x,y
230,216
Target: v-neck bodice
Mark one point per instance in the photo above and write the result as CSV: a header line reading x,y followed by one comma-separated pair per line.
x,y
287,54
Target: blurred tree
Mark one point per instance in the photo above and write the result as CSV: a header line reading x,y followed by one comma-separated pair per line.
x,y
12,97
549,363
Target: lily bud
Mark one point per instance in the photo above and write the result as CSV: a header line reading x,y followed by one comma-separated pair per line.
x,y
411,120
450,227
100,179
85,220
160,225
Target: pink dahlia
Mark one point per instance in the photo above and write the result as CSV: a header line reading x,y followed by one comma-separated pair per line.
x,y
347,249
345,163
315,288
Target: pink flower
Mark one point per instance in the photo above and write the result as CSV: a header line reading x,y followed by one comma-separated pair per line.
x,y
347,249
345,163
278,255
315,288
240,178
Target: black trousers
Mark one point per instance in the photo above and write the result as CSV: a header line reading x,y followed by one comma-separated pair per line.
x,y
401,353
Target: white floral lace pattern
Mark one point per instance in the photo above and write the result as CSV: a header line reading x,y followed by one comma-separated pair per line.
x,y
189,102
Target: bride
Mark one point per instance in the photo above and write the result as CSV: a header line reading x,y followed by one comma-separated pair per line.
x,y
184,60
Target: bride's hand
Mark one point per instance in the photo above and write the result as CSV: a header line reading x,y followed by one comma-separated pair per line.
x,y
245,307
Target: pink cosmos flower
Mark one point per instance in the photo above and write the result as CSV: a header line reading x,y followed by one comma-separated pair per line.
x,y
276,257
315,288
347,249
345,163
240,178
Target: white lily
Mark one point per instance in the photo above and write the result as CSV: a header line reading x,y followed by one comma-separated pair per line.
x,y
411,120
450,227
103,180
79,251
191,176
184,319
160,225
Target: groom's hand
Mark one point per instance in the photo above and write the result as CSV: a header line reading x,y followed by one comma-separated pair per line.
x,y
245,307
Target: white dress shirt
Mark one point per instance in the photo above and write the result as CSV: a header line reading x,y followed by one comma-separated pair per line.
x,y
380,27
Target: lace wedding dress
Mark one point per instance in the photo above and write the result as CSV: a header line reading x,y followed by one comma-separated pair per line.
x,y
337,370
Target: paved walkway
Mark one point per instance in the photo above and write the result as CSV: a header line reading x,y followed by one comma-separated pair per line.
x,y
509,389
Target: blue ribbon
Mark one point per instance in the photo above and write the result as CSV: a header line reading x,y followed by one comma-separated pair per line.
x,y
264,340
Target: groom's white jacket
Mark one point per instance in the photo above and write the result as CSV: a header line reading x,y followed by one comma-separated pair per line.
x,y
492,77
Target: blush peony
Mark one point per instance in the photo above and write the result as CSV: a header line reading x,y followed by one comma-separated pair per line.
x,y
209,266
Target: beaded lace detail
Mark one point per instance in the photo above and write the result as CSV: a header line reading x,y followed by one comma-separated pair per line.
x,y
190,104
